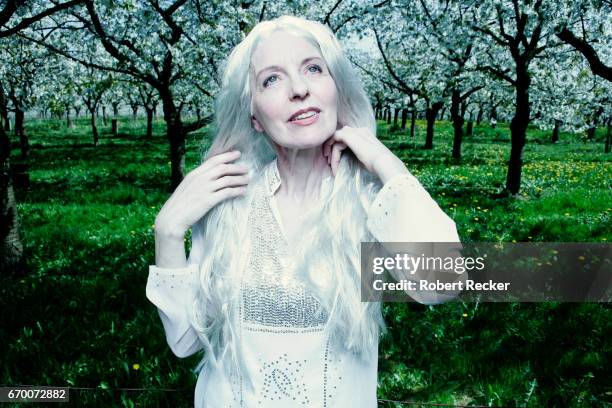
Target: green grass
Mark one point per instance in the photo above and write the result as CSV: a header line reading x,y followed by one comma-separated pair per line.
x,y
79,316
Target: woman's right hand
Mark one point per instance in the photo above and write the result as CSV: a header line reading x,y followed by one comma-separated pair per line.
x,y
215,180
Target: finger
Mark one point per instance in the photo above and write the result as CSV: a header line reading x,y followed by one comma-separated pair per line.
x,y
330,141
215,160
230,181
230,169
204,174
335,156
225,169
222,158
326,149
229,192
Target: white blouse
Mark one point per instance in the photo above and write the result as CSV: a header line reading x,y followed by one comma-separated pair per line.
x,y
290,360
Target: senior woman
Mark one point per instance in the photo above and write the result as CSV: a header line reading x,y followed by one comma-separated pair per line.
x,y
294,180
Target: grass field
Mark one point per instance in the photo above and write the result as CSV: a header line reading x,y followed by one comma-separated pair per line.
x,y
79,316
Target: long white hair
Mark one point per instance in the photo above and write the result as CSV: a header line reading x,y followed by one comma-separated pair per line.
x,y
336,229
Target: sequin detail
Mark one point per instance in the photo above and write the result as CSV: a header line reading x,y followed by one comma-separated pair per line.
x,y
283,380
272,295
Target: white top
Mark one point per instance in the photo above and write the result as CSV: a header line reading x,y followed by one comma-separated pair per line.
x,y
280,329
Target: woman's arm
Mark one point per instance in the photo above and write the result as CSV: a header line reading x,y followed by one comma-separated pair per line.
x,y
173,282
173,291
403,211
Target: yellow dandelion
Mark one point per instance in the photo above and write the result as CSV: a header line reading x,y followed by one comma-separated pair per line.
x,y
136,366
465,315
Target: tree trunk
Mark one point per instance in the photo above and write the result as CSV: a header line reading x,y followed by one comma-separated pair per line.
x,y
457,120
198,114
518,130
94,128
134,112
591,133
412,122
115,109
114,127
608,133
11,251
20,131
555,132
430,114
176,138
77,112
388,116
104,114
442,113
479,115
68,120
470,128
395,115
4,117
149,123
404,118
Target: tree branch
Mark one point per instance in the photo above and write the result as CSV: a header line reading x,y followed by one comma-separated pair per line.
x,y
597,66
11,7
497,73
403,85
326,20
193,126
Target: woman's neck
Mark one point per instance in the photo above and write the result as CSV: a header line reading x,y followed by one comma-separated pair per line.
x,y
302,172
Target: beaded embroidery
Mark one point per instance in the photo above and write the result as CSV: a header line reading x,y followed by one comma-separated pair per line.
x,y
271,294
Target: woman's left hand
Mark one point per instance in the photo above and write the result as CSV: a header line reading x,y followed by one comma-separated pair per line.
x,y
370,151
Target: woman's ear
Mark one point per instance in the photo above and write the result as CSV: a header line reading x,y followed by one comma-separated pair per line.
x,y
256,125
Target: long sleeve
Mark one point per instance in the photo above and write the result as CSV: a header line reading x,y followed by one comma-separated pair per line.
x,y
403,211
173,292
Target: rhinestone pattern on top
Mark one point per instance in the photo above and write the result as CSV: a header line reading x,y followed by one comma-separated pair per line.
x,y
271,293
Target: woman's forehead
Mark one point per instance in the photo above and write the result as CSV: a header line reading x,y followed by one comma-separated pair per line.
x,y
281,48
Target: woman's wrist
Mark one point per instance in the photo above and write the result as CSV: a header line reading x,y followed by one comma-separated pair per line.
x,y
169,246
169,252
387,166
168,230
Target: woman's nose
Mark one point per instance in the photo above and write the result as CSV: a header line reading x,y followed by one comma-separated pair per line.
x,y
299,88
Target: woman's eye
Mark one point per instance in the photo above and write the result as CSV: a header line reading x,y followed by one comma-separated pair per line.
x,y
316,68
265,83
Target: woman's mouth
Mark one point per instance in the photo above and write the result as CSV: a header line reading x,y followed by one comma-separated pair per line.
x,y
305,119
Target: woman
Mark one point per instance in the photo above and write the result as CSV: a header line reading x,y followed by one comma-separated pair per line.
x,y
294,180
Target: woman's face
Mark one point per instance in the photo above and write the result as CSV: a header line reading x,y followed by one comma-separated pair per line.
x,y
289,76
